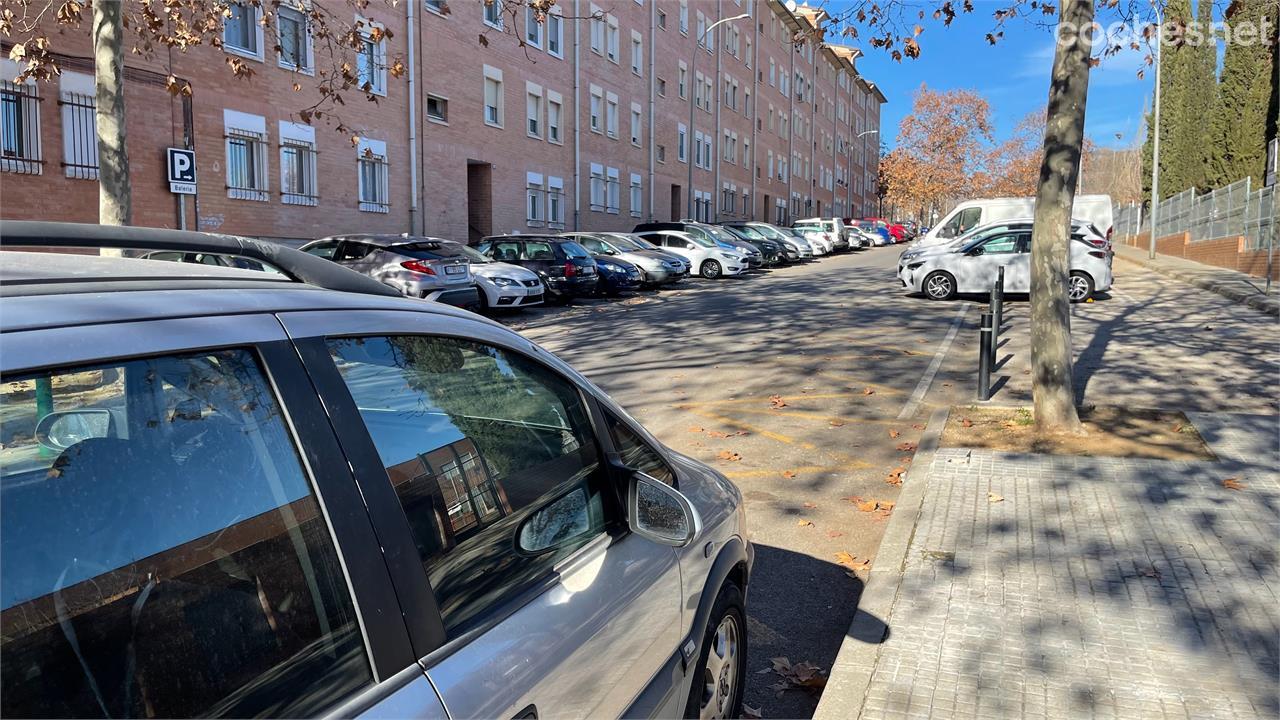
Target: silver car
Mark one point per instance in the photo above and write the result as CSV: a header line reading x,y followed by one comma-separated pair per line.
x,y
421,267
503,285
235,493
659,268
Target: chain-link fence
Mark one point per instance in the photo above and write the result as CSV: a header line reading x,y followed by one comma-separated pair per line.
x,y
1229,211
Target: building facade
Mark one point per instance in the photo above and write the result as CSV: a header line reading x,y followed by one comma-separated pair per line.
x,y
596,116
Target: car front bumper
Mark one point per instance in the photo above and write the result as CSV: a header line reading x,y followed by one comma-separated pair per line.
x,y
463,297
519,296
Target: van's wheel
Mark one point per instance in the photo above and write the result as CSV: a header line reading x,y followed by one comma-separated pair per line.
x,y
1079,287
720,675
710,270
939,285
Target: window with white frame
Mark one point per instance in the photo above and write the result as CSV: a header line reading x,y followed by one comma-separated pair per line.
x,y
662,20
555,33
769,155
493,104
535,199
555,203
697,90
555,113
637,53
682,80
436,6
661,152
596,109
493,13
724,146
611,38
371,61
598,194
746,103
437,108
611,115
747,56
533,110
701,28
374,176
637,196
295,38
77,97
635,124
241,29
682,143
597,30
684,17
533,28
614,191
697,148
709,91
662,87
746,152
20,150
246,140
773,73
298,176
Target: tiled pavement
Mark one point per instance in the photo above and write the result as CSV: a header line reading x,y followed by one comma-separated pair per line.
x,y
1096,587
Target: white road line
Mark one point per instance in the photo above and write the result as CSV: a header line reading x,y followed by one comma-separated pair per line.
x,y
922,387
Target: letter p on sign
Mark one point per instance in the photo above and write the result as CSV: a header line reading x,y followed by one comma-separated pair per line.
x,y
182,171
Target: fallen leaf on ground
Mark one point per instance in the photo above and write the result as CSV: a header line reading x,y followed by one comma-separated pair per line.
x,y
868,391
894,433
895,475
1150,572
868,505
776,401
788,474
738,433
855,499
750,712
994,498
729,455
904,459
946,384
834,533
1177,428
906,446
801,675
837,423
803,523
1233,484
844,558
694,429
918,426
872,505
811,505
966,422
717,434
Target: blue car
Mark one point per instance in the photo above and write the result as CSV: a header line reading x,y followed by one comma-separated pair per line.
x,y
616,275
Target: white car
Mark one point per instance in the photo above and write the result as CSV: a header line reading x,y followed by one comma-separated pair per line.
x,y
503,285
1095,209
784,235
1081,231
707,257
973,267
817,240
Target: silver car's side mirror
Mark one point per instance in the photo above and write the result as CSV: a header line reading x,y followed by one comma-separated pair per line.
x,y
659,512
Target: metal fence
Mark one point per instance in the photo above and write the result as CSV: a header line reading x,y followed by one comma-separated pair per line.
x,y
1233,210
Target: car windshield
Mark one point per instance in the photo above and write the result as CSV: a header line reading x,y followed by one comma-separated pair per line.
x,y
473,255
625,243
699,240
770,232
574,250
749,232
721,234
429,250
642,242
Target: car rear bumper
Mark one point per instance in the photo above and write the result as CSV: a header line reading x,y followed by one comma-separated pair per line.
x,y
569,287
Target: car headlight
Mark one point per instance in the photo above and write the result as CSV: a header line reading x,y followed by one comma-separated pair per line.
x,y
914,266
610,266
504,281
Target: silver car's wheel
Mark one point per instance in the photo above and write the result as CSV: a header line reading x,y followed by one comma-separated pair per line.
x,y
1079,287
710,269
939,286
720,673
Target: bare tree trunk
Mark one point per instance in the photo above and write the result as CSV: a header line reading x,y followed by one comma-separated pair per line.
x,y
1051,384
115,198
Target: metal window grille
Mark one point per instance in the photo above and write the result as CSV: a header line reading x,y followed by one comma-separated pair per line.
x,y
374,192
555,208
20,129
298,173
80,135
246,165
534,202
613,195
597,193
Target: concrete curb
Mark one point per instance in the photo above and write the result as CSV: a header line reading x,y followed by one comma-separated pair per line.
x,y
1204,280
851,673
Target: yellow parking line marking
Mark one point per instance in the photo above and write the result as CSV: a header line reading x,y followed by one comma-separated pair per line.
x,y
752,428
740,474
819,416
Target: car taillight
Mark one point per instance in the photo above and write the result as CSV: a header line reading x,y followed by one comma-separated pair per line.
x,y
1109,231
418,266
1098,254
570,269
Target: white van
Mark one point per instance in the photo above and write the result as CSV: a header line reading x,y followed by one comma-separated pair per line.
x,y
969,214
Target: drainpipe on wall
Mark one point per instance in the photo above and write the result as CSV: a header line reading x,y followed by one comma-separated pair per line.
x,y
653,43
577,115
791,125
413,124
717,195
755,107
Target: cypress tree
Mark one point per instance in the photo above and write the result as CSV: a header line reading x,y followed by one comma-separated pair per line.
x,y
1178,109
1245,90
1204,102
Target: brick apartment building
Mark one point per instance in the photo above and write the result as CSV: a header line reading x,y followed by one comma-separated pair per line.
x,y
611,113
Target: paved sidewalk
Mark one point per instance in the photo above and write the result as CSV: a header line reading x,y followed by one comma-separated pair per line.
x,y
1058,587
1235,285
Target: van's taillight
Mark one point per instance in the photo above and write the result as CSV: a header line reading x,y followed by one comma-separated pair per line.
x,y
1109,231
570,269
1098,254
418,266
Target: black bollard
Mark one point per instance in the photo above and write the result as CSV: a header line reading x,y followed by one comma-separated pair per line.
x,y
984,358
997,312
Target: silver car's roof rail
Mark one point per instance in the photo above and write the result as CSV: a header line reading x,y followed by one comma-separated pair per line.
x,y
296,265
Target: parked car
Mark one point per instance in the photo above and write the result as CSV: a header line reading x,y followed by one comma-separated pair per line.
x,y
896,231
503,285
752,255
774,252
784,235
200,258
254,496
421,267
788,251
1096,209
686,267
879,228
972,267
709,258
817,239
566,268
616,275
832,229
657,268
1080,232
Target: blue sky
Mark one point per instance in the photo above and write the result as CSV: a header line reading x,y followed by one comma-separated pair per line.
x,y
1012,75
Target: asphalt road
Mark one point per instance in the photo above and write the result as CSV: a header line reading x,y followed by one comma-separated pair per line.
x,y
809,375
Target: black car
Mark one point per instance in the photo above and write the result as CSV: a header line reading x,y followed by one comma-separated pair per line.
x,y
772,250
566,268
755,255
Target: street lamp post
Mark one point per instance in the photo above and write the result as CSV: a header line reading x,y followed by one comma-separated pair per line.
x,y
863,135
689,137
1155,143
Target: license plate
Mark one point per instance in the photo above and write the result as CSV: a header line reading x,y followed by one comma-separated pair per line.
x,y
455,269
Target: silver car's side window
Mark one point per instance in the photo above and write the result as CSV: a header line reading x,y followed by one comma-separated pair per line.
x,y
164,555
493,459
